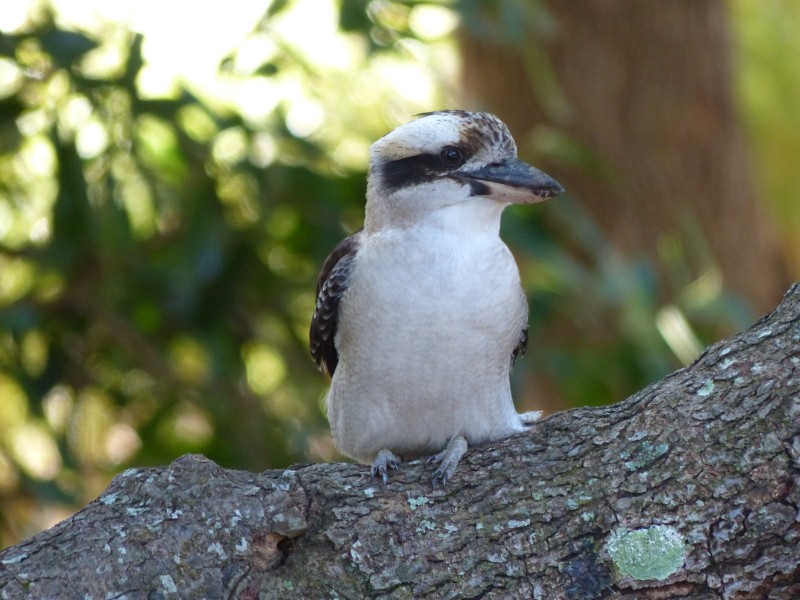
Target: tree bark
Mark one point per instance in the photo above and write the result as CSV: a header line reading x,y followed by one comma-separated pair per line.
x,y
647,89
690,488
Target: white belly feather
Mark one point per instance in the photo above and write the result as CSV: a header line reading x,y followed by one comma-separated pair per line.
x,y
425,335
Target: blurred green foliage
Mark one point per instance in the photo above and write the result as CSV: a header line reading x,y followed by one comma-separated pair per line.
x,y
769,89
158,252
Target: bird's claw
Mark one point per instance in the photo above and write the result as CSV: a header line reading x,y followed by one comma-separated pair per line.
x,y
441,477
449,459
443,473
385,461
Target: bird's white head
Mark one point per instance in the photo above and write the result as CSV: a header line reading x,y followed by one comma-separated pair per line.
x,y
453,169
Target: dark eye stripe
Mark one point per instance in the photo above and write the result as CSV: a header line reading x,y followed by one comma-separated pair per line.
x,y
411,170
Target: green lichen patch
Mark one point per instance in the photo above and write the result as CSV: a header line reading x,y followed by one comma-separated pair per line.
x,y
706,388
650,553
645,454
517,523
426,525
414,503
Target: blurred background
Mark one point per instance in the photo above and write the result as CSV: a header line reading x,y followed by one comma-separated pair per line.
x,y
173,174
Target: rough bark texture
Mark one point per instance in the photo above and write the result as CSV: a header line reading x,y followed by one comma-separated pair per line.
x,y
689,488
650,92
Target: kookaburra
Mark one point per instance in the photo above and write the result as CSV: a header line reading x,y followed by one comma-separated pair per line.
x,y
420,314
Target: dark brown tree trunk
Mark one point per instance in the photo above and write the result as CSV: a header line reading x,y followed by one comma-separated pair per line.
x,y
688,489
647,89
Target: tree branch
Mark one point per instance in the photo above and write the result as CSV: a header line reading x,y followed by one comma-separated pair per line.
x,y
690,488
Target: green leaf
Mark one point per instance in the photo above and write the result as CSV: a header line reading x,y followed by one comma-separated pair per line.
x,y
66,47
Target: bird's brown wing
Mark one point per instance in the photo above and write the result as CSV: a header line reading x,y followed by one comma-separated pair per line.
x,y
522,345
331,285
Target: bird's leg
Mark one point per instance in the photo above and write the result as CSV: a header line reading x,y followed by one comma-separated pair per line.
x,y
449,458
384,461
528,418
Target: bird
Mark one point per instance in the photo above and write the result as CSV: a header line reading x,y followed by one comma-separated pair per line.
x,y
420,314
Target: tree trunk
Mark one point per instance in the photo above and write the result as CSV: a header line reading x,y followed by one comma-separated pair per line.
x,y
690,488
647,89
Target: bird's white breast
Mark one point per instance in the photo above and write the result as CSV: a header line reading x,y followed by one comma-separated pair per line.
x,y
426,331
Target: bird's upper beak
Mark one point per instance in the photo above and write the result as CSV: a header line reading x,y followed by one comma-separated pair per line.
x,y
512,181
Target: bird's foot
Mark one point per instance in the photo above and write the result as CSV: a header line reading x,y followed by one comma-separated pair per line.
x,y
384,461
448,460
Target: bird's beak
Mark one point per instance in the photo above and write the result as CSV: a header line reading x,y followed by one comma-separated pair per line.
x,y
512,181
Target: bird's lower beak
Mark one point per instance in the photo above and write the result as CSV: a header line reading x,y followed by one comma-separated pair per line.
x,y
514,182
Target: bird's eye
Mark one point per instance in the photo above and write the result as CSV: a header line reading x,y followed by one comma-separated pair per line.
x,y
452,156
